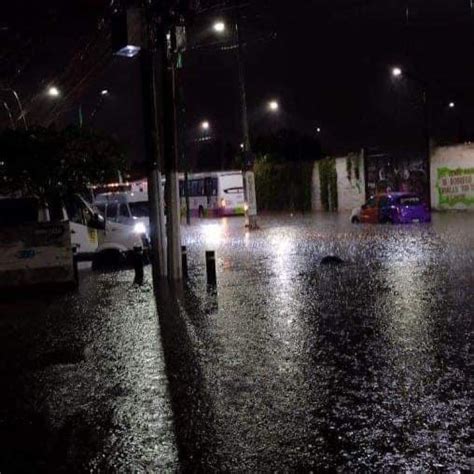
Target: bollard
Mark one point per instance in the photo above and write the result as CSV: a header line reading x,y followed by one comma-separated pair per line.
x,y
184,261
75,266
137,258
211,267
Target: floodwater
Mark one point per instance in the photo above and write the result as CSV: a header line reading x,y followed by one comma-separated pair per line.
x,y
83,380
286,366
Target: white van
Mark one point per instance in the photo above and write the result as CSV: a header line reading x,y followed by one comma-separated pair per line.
x,y
92,237
125,207
102,239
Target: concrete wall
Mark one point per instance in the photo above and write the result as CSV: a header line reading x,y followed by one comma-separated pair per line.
x,y
350,192
452,177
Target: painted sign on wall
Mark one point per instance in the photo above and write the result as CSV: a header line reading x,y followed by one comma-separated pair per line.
x,y
455,186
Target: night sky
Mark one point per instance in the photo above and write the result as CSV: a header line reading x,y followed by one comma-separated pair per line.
x,y
326,61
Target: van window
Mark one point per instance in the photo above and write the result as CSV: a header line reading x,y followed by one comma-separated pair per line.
x,y
123,213
140,209
77,212
112,211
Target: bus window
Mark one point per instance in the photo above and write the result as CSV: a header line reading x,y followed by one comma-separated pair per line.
x,y
197,187
211,186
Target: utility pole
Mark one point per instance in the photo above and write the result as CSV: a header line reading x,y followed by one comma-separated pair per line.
x,y
248,175
175,270
181,119
149,57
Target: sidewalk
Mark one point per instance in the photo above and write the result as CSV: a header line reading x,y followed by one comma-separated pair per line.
x,y
84,383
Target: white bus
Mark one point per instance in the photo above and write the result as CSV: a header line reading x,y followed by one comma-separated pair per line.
x,y
214,194
211,194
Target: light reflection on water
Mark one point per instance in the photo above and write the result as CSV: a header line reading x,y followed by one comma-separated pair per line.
x,y
336,361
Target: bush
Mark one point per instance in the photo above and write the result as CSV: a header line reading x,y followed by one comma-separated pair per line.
x,y
283,186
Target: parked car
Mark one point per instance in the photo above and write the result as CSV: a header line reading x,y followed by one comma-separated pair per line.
x,y
393,208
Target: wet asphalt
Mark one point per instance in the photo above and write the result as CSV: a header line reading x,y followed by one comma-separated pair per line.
x,y
286,366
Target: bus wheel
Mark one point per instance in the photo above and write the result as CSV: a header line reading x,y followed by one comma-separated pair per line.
x,y
201,212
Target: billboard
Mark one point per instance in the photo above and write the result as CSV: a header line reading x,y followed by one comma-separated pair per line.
x,y
455,187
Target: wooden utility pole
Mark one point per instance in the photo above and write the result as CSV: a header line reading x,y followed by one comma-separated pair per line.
x,y
152,91
248,175
175,270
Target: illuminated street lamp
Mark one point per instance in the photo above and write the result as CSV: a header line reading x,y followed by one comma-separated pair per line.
x,y
451,105
318,129
396,72
205,125
273,105
219,27
53,92
104,92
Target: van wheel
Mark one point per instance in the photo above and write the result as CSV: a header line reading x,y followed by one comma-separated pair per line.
x,y
201,212
355,220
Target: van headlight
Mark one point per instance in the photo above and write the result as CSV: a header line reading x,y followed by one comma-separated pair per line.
x,y
139,228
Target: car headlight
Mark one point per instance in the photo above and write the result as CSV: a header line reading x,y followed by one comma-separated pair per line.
x,y
139,228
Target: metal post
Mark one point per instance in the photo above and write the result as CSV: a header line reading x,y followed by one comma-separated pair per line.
x,y
149,58
137,257
175,271
184,260
186,197
211,267
427,140
249,182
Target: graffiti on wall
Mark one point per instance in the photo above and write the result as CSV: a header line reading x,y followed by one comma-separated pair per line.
x,y
455,186
385,174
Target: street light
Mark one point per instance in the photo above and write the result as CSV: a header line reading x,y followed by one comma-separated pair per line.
x,y
205,125
318,130
397,72
219,27
451,105
53,92
104,92
273,105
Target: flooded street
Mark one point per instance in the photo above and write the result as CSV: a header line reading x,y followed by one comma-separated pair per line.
x,y
287,366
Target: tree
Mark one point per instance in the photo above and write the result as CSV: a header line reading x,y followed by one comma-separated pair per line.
x,y
52,164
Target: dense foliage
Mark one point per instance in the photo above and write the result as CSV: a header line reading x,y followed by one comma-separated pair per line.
x,y
328,184
283,170
50,163
283,186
